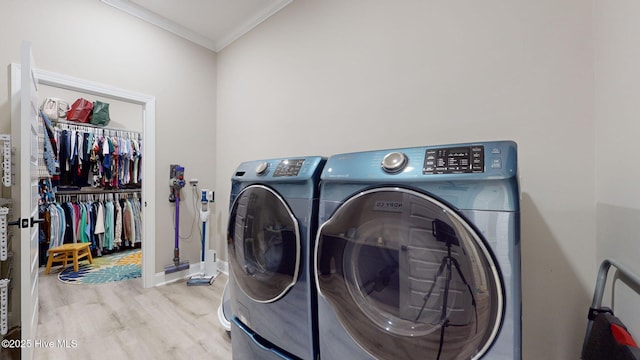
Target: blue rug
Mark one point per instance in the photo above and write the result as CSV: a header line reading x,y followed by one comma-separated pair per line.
x,y
109,268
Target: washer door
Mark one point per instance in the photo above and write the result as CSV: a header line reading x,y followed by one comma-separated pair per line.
x,y
264,244
408,277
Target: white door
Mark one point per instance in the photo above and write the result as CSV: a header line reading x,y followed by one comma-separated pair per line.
x,y
25,190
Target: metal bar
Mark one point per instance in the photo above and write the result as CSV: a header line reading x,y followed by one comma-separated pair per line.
x,y
81,192
603,272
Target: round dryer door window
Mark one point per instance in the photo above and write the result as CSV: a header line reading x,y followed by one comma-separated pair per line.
x,y
264,244
408,277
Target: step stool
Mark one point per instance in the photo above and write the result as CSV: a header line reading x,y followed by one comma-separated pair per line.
x,y
68,252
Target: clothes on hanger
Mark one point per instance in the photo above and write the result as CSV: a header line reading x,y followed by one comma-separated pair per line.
x,y
95,157
94,220
77,156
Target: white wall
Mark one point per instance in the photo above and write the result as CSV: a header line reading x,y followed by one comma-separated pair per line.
x,y
617,123
93,41
324,77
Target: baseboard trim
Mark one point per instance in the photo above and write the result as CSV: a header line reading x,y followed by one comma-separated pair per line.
x,y
162,278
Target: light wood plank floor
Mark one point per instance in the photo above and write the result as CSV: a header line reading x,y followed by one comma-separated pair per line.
x,y
122,320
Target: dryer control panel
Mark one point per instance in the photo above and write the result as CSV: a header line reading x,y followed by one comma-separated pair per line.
x,y
454,160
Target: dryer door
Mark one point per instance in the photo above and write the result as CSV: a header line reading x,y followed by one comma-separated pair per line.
x,y
408,277
264,244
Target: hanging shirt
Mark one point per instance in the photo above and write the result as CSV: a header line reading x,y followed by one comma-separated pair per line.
x,y
108,225
99,220
72,148
117,234
127,219
68,218
65,151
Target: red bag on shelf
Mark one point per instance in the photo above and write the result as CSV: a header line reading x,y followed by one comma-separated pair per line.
x,y
80,111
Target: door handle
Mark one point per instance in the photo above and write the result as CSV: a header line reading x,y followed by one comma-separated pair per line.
x,y
25,223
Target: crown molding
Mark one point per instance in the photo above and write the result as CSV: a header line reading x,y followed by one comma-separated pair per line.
x,y
179,30
161,22
248,25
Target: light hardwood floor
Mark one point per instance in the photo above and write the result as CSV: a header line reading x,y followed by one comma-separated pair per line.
x,y
122,320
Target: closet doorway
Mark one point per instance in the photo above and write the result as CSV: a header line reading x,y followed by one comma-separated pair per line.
x,y
132,112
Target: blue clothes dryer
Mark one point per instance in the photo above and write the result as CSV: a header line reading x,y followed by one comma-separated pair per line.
x,y
270,235
417,254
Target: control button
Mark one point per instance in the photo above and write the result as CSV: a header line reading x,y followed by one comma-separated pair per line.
x,y
495,151
262,168
394,162
496,163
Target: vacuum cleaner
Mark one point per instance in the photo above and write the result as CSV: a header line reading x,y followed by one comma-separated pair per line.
x,y
206,196
176,182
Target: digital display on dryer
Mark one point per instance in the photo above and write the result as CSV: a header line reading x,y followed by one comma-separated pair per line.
x,y
457,160
289,167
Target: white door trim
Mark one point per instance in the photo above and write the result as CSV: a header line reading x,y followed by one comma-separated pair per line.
x,y
149,150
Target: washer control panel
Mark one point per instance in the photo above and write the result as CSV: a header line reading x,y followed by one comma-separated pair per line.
x,y
454,160
289,167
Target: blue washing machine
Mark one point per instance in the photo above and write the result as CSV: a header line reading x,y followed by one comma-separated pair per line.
x,y
272,225
417,254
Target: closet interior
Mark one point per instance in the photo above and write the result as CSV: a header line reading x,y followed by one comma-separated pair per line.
x,y
90,185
